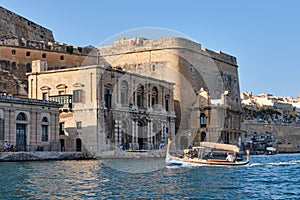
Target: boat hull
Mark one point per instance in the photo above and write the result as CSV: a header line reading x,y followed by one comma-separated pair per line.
x,y
174,161
186,161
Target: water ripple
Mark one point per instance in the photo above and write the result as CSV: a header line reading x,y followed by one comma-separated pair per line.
x,y
268,177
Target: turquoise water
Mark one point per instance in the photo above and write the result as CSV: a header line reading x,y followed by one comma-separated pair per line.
x,y
267,177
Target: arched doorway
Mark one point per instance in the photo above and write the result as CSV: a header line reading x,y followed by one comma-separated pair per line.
x,y
21,132
184,142
142,135
203,136
78,145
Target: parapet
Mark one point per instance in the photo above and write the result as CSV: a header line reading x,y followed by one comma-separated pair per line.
x,y
132,45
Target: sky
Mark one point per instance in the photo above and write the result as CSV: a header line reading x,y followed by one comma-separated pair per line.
x,y
264,36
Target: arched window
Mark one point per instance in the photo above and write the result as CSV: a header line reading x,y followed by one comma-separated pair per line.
x,y
13,52
154,96
62,58
21,117
45,124
202,120
140,96
21,127
124,93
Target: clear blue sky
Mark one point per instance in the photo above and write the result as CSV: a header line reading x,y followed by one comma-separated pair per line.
x,y
263,35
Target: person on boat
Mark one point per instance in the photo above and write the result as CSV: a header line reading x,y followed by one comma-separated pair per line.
x,y
6,145
229,157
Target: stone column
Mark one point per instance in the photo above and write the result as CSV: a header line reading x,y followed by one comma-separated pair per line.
x,y
148,134
136,134
172,133
117,129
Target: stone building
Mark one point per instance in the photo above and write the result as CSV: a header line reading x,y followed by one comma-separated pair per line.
x,y
106,108
191,67
22,41
29,124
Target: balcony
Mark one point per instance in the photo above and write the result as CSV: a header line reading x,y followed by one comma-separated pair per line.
x,y
65,100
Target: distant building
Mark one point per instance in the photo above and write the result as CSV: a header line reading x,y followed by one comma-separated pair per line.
x,y
105,108
28,124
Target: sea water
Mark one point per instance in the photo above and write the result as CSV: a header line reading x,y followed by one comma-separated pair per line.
x,y
267,177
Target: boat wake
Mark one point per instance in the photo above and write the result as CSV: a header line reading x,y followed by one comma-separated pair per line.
x,y
293,162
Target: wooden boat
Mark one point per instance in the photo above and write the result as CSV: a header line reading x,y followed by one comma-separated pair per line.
x,y
201,158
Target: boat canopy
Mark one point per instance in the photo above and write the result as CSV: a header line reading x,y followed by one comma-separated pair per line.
x,y
213,145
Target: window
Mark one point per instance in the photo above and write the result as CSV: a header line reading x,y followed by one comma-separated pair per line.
x,y
61,128
1,129
28,53
167,104
107,98
202,120
45,119
44,55
21,117
124,93
154,99
62,58
14,65
13,52
45,129
45,95
28,67
140,93
77,96
79,125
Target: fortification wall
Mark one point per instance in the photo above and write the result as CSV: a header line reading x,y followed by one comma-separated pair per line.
x,y
287,136
15,25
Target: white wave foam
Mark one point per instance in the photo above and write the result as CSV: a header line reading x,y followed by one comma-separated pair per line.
x,y
293,162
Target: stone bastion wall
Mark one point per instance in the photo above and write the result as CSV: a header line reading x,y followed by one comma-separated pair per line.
x,y
15,25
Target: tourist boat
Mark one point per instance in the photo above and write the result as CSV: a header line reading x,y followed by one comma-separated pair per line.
x,y
201,156
271,151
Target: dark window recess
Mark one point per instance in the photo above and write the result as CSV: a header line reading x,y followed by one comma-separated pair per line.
x,y
61,128
28,67
107,99
62,58
44,55
13,52
79,125
27,53
14,65
44,132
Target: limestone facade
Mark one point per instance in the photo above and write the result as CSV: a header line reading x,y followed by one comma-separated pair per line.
x,y
105,108
28,124
191,67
